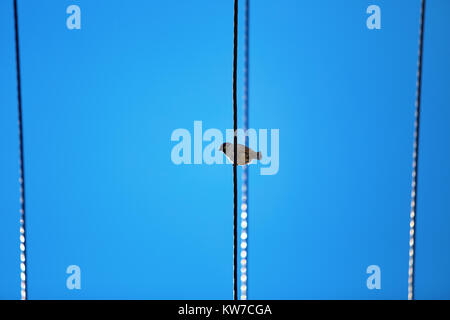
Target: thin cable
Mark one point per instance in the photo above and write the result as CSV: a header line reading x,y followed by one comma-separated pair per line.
x,y
235,34
412,223
23,260
244,189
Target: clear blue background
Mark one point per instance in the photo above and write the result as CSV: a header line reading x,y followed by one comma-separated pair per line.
x,y
100,105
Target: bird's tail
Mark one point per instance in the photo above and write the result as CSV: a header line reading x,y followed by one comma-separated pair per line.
x,y
259,155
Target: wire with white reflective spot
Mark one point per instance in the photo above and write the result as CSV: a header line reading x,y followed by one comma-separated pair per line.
x,y
23,260
244,188
412,223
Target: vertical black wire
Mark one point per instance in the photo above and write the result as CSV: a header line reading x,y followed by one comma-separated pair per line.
x,y
23,274
235,291
415,167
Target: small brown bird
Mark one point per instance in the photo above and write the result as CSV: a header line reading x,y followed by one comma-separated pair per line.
x,y
245,155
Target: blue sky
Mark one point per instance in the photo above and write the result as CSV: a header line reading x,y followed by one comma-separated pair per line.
x,y
100,105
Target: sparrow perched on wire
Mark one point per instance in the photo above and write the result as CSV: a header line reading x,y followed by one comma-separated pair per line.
x,y
245,155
